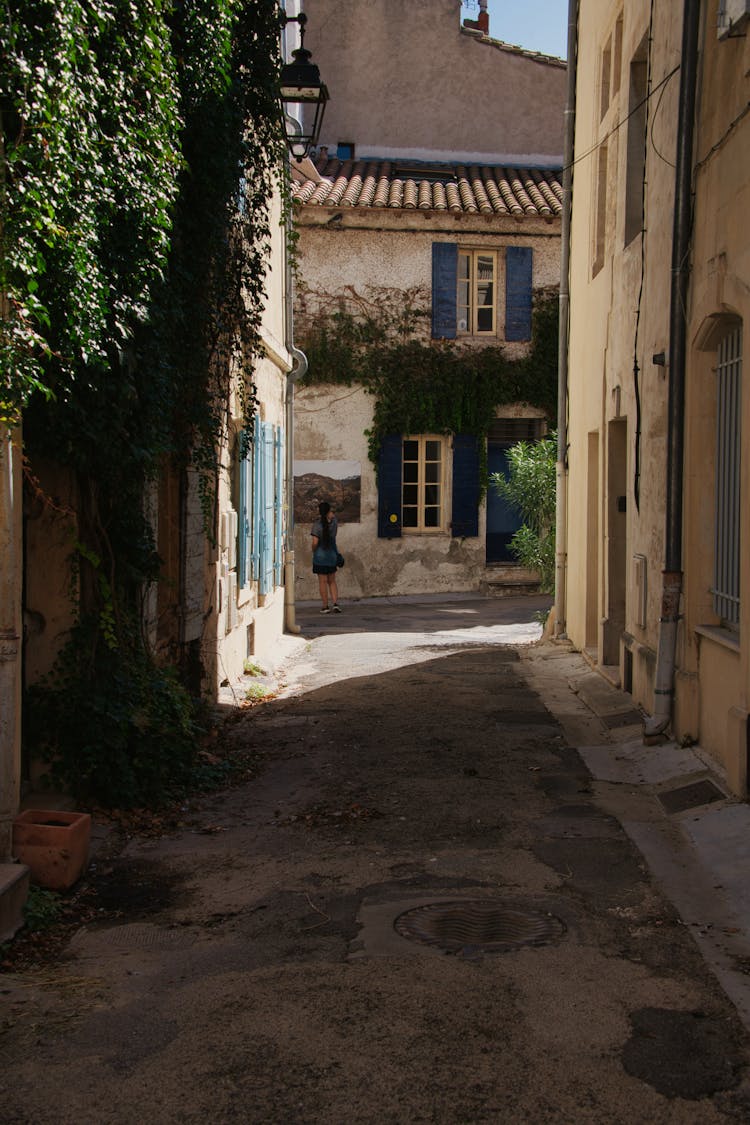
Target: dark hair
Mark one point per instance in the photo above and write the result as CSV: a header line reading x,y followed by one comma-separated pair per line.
x,y
324,508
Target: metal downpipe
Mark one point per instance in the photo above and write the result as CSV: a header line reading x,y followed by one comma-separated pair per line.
x,y
672,574
561,468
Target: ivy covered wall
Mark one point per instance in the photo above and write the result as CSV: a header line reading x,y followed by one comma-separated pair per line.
x,y
140,149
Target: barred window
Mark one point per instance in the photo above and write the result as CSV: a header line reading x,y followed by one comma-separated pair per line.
x,y
726,589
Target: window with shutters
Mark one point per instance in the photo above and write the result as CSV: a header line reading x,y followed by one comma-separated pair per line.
x,y
465,292
404,469
423,483
476,293
726,588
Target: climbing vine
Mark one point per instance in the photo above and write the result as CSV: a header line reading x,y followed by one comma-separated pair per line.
x,y
380,340
140,149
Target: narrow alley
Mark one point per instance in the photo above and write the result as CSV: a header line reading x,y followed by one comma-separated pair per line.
x,y
424,908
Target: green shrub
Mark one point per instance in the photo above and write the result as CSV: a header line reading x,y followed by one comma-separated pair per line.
x,y
530,489
41,909
116,730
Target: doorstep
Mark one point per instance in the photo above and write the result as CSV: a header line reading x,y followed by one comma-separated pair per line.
x,y
14,888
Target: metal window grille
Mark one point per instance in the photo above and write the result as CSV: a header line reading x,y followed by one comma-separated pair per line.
x,y
726,590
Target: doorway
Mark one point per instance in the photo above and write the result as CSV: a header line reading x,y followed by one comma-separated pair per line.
x,y
503,520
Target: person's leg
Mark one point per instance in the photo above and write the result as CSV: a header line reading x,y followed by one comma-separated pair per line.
x,y
333,590
323,587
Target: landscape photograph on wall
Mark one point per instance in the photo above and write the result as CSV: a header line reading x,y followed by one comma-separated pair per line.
x,y
338,482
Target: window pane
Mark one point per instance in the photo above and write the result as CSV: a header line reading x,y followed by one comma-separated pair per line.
x,y
463,266
432,471
485,268
484,320
411,472
432,517
484,293
411,494
432,494
409,517
411,450
432,450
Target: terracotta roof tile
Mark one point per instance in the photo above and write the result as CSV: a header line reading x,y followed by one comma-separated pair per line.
x,y
447,187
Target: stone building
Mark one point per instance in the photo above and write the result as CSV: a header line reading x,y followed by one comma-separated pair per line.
x,y
436,193
657,550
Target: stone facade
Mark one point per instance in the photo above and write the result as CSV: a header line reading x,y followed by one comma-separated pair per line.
x,y
430,123
621,341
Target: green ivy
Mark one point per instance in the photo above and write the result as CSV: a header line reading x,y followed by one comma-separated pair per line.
x,y
378,342
141,144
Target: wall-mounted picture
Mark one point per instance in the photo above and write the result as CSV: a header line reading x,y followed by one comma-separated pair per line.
x,y
338,482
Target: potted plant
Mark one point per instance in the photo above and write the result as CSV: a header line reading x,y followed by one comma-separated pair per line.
x,y
53,844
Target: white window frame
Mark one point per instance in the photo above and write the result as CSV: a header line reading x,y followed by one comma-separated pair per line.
x,y
468,286
414,492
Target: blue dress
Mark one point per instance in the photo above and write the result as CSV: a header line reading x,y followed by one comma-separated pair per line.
x,y
324,558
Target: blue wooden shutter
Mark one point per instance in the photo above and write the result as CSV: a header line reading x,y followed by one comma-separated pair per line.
x,y
444,276
256,495
518,277
278,504
389,487
465,512
266,492
243,527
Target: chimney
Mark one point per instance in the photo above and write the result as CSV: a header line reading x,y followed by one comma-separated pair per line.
x,y
482,22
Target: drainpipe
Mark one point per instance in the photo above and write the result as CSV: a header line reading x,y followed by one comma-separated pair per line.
x,y
672,574
10,634
561,468
298,371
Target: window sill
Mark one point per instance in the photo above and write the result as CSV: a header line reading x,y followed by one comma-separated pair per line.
x,y
723,637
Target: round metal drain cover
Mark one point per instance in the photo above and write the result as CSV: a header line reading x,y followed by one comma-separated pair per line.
x,y
479,924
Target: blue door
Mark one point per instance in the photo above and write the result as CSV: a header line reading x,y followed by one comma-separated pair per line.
x,y
503,521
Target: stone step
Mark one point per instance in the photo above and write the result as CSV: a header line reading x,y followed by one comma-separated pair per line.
x,y
508,581
14,889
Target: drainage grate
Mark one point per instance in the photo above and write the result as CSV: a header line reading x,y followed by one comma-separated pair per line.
x,y
478,925
690,796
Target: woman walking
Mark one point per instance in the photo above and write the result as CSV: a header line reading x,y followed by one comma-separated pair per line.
x,y
325,557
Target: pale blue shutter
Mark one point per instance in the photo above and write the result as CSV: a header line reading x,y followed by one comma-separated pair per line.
x,y
518,281
444,279
278,505
266,506
243,527
256,494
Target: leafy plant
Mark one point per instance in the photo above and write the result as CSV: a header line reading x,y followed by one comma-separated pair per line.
x,y
530,488
255,693
117,729
140,147
250,668
41,909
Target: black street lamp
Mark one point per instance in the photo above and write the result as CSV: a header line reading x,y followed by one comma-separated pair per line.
x,y
301,85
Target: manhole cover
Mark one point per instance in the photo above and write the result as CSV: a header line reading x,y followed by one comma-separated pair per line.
x,y
481,924
690,796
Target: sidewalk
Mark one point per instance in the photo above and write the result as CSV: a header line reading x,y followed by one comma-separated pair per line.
x,y
671,801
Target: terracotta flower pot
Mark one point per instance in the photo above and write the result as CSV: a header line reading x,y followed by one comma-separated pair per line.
x,y
53,844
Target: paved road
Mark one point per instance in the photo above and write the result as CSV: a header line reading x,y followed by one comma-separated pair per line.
x,y
418,773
